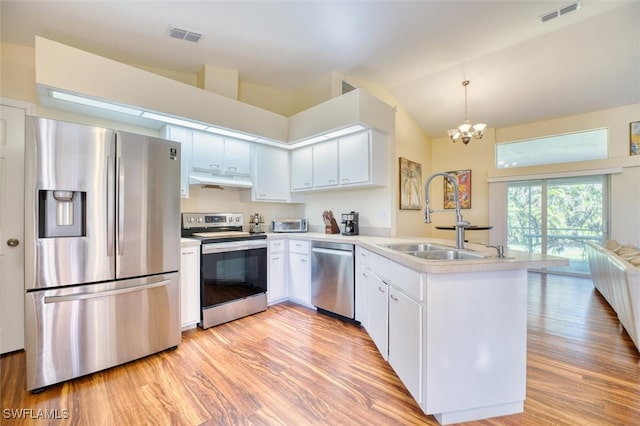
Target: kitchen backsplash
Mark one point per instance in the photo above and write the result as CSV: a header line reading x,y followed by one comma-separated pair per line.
x,y
209,200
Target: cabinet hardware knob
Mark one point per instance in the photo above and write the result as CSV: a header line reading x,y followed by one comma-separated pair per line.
x,y
13,242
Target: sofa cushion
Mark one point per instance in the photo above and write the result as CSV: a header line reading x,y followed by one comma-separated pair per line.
x,y
627,251
635,260
612,245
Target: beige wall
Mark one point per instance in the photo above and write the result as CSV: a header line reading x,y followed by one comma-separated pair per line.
x,y
479,156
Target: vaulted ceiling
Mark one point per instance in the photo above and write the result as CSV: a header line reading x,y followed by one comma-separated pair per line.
x,y
521,69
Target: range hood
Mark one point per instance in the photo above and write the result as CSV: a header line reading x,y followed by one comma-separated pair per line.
x,y
238,182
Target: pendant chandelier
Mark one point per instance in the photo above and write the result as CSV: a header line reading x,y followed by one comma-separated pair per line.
x,y
466,130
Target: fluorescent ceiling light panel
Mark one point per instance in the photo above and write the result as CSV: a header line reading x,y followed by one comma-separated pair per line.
x,y
93,103
231,133
345,131
172,120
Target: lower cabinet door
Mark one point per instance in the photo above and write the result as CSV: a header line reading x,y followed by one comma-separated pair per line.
x,y
189,286
405,340
300,278
277,277
377,313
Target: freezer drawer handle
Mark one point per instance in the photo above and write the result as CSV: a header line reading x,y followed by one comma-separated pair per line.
x,y
83,296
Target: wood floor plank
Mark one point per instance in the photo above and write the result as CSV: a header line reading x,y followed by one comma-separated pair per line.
x,y
292,366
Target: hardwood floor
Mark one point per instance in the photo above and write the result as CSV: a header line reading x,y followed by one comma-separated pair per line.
x,y
292,366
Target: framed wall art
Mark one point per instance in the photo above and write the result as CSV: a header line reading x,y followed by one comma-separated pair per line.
x,y
464,187
634,138
410,185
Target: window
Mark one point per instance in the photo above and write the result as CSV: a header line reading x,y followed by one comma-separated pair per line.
x,y
570,147
557,217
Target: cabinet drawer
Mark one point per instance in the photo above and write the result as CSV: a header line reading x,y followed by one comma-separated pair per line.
x,y
276,246
299,246
379,265
406,280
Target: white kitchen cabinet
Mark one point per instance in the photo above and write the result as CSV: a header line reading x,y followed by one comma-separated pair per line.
x,y
271,177
184,136
208,152
362,277
189,283
219,155
378,312
378,302
405,340
356,160
302,168
237,157
271,174
394,315
300,271
277,284
325,164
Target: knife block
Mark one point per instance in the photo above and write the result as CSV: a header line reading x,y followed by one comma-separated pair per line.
x,y
333,229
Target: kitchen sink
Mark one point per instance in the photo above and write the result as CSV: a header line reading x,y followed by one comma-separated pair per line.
x,y
445,255
429,251
406,248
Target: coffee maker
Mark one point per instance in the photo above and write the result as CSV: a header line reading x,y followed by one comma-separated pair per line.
x,y
350,221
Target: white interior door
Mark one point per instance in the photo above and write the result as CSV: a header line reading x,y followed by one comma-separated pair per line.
x,y
12,124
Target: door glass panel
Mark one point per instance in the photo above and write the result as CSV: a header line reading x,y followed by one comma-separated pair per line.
x,y
574,216
524,216
557,217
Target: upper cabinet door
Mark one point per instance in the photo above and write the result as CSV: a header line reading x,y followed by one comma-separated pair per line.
x,y
325,164
302,168
208,152
354,158
272,173
237,157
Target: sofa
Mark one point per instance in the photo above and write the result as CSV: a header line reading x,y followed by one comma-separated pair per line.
x,y
615,271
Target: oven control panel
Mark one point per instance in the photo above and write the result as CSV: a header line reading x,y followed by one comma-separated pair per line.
x,y
211,220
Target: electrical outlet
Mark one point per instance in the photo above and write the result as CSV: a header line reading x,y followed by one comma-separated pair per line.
x,y
383,214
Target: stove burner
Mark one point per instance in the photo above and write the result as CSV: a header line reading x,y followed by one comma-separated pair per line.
x,y
211,228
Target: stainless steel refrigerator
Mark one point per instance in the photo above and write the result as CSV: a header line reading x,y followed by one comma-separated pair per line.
x,y
102,249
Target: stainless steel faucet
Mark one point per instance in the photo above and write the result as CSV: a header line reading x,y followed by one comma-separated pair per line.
x,y
461,224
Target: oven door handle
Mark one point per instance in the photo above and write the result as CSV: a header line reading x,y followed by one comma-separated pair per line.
x,y
233,246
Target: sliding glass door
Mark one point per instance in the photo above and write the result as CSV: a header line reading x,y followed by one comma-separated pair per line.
x,y
557,217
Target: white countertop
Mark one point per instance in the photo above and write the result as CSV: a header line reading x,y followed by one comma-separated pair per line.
x,y
513,259
188,242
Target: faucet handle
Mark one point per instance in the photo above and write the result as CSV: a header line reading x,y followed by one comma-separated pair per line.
x,y
500,249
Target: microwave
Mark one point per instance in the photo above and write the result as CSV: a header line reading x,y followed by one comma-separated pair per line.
x,y
289,225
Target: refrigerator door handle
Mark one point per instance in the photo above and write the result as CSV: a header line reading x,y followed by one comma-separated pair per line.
x,y
84,296
121,193
111,208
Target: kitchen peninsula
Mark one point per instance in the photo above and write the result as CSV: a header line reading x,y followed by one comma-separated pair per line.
x,y
455,331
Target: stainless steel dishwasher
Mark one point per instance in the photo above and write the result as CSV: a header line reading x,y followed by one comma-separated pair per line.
x,y
333,278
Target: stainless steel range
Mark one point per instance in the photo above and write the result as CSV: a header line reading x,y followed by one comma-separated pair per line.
x,y
233,266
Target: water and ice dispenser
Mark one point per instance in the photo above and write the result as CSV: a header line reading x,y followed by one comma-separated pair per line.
x,y
62,214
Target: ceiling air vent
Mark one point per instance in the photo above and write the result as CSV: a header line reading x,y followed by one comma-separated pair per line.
x,y
559,12
184,34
